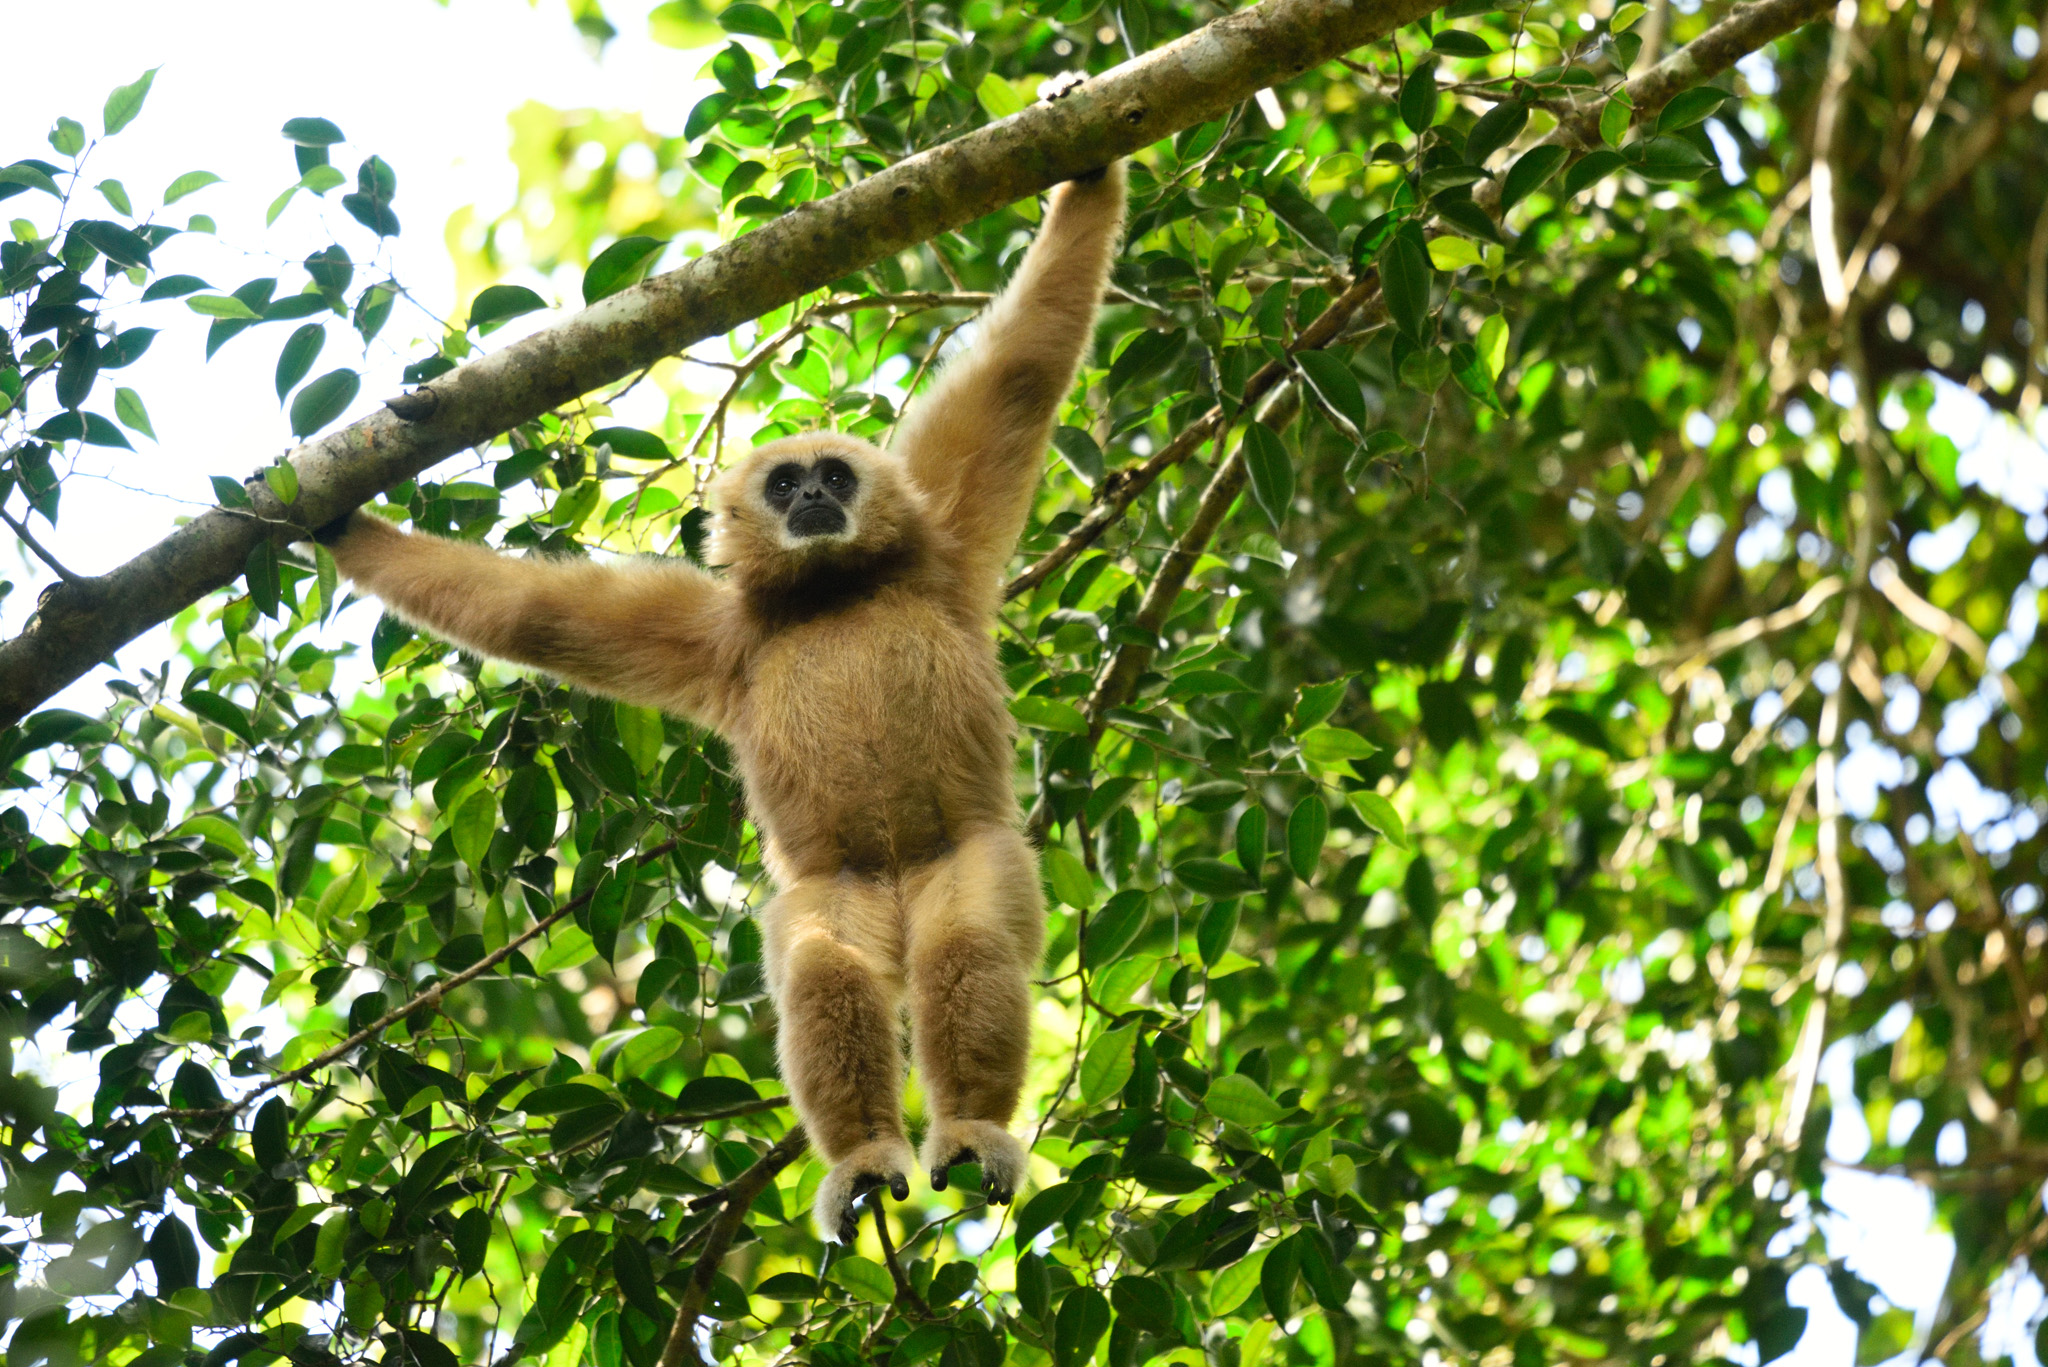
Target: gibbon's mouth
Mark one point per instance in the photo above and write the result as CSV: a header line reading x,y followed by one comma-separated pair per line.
x,y
816,519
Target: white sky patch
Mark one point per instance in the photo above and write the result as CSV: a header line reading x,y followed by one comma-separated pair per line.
x,y
226,87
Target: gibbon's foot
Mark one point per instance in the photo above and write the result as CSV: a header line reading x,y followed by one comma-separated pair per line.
x,y
877,1163
976,1141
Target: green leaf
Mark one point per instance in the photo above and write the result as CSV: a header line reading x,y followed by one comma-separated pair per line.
x,y
126,102
564,1098
327,1248
1214,878
1333,382
23,173
473,824
498,304
1592,167
1276,1278
1107,1065
1308,826
642,732
1492,345
222,306
646,1049
128,408
1215,931
1449,253
1378,813
631,441
188,183
1048,714
1241,1101
1069,880
752,20
1082,1321
1626,16
1405,282
626,262
1271,470
297,357
1665,158
116,194
1419,99
1495,129
1235,1283
1332,744
68,137
311,132
283,481
1454,42
568,946
998,97
1473,378
1531,171
1115,928
1144,1302
322,401
1689,107
173,286
1080,452
1615,116
864,1277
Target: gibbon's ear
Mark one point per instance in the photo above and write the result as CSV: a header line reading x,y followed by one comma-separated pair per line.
x,y
818,503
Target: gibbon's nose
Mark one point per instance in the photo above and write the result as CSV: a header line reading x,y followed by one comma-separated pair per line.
x,y
815,514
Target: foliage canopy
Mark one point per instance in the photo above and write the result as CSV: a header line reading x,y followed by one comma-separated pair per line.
x,y
1554,674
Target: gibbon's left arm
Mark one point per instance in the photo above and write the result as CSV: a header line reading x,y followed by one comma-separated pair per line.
x,y
654,635
975,442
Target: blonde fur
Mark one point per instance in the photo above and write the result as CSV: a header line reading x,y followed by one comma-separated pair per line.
x,y
854,676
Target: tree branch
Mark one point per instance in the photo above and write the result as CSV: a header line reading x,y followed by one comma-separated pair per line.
x,y
431,996
738,1196
1121,488
1187,82
1745,29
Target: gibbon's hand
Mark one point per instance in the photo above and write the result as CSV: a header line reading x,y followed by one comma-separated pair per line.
x,y
1058,88
329,532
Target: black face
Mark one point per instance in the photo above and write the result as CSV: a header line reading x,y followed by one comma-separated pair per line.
x,y
812,499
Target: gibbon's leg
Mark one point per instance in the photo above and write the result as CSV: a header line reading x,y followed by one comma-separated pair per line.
x,y
976,926
830,946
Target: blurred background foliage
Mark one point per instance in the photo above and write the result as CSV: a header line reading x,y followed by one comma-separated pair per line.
x,y
1585,796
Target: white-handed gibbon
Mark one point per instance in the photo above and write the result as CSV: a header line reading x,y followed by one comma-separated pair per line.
x,y
846,654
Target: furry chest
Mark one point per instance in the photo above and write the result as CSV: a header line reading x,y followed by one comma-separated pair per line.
x,y
872,742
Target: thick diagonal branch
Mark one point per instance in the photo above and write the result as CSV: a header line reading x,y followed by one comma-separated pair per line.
x,y
1187,82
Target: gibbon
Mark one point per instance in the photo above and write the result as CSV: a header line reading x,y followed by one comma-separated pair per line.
x,y
846,653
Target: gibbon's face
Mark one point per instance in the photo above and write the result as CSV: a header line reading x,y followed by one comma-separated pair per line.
x,y
810,502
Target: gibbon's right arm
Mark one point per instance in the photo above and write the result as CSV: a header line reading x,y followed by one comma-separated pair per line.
x,y
975,442
645,634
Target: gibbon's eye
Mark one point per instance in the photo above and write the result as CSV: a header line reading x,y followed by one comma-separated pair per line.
x,y
783,482
838,477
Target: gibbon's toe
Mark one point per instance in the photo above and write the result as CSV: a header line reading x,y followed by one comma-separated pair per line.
x,y
1002,1159
874,1165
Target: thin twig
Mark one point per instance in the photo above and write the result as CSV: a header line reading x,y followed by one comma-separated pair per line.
x,y
906,1295
1120,488
430,997
56,565
738,1197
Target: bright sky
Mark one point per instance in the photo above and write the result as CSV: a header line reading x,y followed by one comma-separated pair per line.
x,y
428,88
